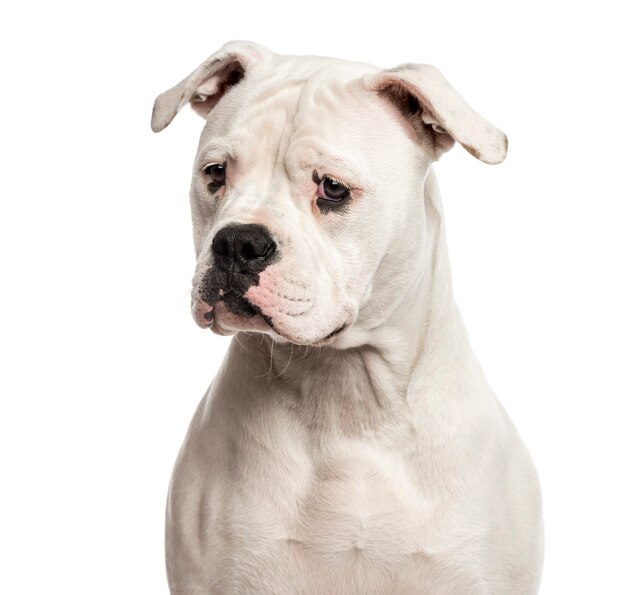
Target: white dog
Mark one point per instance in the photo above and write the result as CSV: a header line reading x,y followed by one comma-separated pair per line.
x,y
350,443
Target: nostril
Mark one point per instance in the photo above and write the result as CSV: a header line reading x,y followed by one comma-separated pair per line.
x,y
248,251
220,245
257,248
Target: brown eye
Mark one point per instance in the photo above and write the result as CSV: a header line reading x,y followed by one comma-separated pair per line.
x,y
332,190
216,172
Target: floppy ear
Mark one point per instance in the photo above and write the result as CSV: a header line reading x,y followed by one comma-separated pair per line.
x,y
208,83
438,111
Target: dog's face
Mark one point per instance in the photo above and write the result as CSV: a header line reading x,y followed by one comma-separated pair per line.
x,y
307,191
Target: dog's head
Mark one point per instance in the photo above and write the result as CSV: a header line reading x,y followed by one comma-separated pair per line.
x,y
307,184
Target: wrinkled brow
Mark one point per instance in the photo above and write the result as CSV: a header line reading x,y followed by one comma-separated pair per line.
x,y
326,162
220,149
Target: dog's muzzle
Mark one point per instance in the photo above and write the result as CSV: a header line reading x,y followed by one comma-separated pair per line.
x,y
240,252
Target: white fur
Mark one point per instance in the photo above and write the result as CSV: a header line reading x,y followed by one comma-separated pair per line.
x,y
377,461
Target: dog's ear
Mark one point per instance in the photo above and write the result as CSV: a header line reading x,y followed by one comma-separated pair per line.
x,y
438,112
208,83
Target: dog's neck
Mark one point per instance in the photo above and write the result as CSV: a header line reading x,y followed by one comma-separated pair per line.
x,y
360,388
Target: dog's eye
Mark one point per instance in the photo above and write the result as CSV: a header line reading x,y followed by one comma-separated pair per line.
x,y
332,190
216,172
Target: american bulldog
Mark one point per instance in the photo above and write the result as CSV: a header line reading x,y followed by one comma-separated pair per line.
x,y
350,443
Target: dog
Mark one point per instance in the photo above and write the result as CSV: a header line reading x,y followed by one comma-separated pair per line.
x,y
350,443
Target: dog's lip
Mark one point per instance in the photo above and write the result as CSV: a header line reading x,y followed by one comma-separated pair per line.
x,y
203,313
219,317
223,321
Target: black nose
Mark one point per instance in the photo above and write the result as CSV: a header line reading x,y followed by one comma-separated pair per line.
x,y
243,248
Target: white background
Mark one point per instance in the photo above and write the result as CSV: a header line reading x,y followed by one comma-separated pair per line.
x,y
101,364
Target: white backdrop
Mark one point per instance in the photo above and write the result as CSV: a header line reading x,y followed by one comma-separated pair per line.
x,y
101,364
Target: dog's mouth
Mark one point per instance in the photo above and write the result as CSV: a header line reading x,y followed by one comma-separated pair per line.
x,y
266,303
233,313
219,302
228,316
237,304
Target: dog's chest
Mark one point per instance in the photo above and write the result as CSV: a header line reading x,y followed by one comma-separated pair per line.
x,y
351,519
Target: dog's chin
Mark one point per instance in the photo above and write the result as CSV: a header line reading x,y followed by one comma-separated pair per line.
x,y
227,319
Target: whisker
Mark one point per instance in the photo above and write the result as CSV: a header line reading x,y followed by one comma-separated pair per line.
x,y
287,365
186,296
240,343
271,357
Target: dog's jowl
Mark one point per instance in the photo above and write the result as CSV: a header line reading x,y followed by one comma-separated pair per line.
x,y
350,443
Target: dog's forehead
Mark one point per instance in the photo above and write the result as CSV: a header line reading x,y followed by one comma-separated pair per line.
x,y
297,85
315,68
298,103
